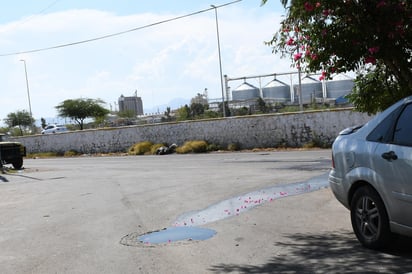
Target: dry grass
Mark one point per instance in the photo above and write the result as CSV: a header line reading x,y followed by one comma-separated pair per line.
x,y
141,148
193,147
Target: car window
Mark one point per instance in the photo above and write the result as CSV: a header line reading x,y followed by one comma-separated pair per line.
x,y
382,133
403,130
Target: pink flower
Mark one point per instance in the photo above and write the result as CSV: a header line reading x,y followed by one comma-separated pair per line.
x,y
326,12
323,76
373,50
308,6
370,60
297,56
317,4
290,42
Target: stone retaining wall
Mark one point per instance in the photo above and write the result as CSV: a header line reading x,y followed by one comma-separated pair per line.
x,y
256,131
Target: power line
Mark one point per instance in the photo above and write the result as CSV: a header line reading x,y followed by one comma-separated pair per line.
x,y
118,33
42,11
48,7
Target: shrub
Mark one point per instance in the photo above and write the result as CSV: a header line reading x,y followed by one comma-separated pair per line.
x,y
140,148
192,146
213,147
71,153
199,146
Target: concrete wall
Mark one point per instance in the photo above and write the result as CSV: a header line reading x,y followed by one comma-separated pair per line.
x,y
257,131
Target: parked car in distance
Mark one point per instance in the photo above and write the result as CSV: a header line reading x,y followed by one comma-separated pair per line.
x,y
371,175
50,129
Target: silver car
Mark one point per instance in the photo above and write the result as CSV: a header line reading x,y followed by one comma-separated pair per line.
x,y
372,175
51,129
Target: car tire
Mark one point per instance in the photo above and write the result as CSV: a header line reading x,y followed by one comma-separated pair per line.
x,y
369,218
17,163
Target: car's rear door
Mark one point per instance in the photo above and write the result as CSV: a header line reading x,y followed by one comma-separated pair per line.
x,y
393,161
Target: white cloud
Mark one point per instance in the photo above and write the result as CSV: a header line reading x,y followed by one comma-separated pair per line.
x,y
176,59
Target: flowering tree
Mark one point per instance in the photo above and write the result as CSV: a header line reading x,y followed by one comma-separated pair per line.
x,y
370,37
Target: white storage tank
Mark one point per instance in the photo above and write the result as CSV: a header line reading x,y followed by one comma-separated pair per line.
x,y
311,89
276,90
340,86
245,91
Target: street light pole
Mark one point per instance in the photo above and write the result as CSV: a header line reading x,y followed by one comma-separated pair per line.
x,y
220,61
27,86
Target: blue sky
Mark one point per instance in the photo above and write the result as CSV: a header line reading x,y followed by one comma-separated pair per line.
x,y
162,63
18,9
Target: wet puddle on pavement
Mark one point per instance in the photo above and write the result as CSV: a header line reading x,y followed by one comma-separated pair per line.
x,y
174,234
185,228
239,204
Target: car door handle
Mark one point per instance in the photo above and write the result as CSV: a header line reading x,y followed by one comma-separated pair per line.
x,y
391,155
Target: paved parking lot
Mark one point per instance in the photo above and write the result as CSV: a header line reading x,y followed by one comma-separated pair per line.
x,y
84,214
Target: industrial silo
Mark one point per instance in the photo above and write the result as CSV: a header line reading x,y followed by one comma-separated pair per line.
x,y
276,90
340,86
245,91
311,89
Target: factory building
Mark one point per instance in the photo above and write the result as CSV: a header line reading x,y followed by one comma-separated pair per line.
x,y
131,103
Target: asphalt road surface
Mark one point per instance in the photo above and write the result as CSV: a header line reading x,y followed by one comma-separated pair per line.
x,y
86,214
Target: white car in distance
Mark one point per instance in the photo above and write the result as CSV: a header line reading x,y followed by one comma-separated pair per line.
x,y
51,129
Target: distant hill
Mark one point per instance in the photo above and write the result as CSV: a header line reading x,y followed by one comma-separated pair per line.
x,y
174,104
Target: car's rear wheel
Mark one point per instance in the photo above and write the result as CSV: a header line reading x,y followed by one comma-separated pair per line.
x,y
17,163
369,218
